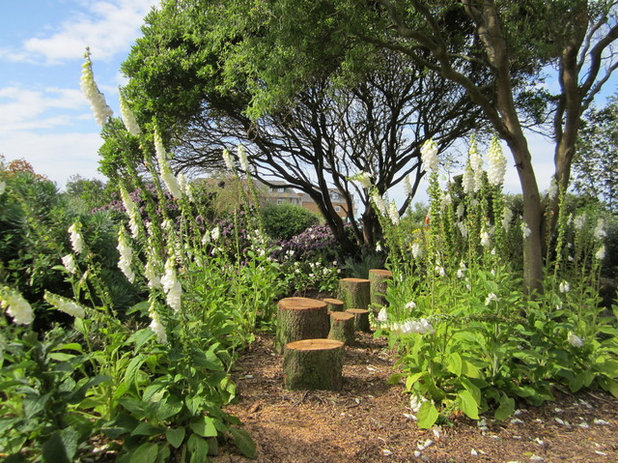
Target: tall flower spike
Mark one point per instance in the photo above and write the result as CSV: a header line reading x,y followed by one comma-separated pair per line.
x,y
16,306
227,158
497,163
167,175
102,112
126,255
77,241
128,118
429,155
242,155
476,163
132,211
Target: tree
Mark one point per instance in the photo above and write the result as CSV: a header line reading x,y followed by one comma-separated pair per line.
x,y
284,44
375,122
596,161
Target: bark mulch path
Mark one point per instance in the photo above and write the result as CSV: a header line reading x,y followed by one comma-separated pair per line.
x,y
367,422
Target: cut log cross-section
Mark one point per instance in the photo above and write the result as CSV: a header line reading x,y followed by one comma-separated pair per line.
x,y
354,292
378,282
342,327
361,319
300,318
313,364
333,305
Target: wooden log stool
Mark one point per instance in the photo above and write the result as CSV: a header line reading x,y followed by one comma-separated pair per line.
x,y
378,283
361,319
354,292
313,364
342,327
333,305
300,318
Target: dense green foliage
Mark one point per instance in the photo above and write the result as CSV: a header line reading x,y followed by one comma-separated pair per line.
x,y
283,221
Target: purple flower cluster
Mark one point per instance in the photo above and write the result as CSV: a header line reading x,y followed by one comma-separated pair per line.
x,y
138,197
315,243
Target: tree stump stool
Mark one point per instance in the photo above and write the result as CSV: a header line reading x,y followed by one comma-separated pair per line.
x,y
342,327
378,282
313,364
333,305
354,292
361,319
300,318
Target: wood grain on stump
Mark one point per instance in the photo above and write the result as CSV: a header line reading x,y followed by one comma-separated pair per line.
x,y
333,305
313,364
342,327
378,282
300,318
361,319
354,292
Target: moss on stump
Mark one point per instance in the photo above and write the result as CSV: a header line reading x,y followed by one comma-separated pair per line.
x,y
378,283
354,292
313,364
361,319
342,327
300,318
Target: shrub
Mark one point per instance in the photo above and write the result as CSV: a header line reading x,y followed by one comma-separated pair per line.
x,y
283,221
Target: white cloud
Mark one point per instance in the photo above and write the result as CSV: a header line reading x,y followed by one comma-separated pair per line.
x,y
108,27
58,156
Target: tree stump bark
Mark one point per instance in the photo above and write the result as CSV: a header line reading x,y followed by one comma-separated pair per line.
x,y
342,327
313,364
361,319
300,318
333,305
378,282
354,292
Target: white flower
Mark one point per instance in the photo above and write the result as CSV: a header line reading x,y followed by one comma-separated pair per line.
x,y
150,272
579,221
417,250
574,340
171,285
497,163
242,155
416,402
440,270
429,155
363,178
215,233
476,163
425,326
99,107
206,237
378,247
132,211
407,185
382,315
462,229
490,297
485,241
393,213
16,306
461,272
525,230
460,211
447,200
410,305
185,187
507,216
128,118
600,254
467,180
379,203
65,305
564,286
227,158
69,263
126,255
2,187
77,241
165,170
156,326
599,231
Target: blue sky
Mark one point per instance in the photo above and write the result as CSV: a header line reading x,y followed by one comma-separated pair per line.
x,y
45,119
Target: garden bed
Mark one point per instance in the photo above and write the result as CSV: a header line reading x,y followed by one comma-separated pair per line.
x,y
370,421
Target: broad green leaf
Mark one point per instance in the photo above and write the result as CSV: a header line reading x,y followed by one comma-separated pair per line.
x,y
204,426
455,364
505,408
470,370
243,441
394,379
71,346
472,388
198,449
146,429
61,446
79,394
175,436
412,379
468,404
145,453
427,415
130,375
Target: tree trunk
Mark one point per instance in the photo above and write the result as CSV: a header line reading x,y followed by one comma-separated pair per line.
x,y
378,279
313,364
342,327
354,292
333,305
300,318
361,319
